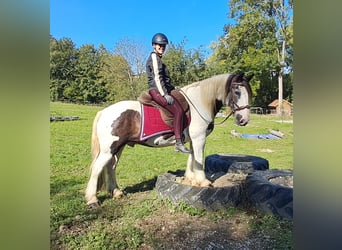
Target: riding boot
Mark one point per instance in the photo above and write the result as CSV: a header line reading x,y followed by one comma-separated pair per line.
x,y
179,147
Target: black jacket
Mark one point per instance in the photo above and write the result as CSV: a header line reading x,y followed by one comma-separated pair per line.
x,y
158,75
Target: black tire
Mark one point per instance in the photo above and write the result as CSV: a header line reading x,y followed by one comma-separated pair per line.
x,y
63,118
208,198
219,164
269,191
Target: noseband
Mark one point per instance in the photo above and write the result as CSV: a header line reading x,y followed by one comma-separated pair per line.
x,y
235,107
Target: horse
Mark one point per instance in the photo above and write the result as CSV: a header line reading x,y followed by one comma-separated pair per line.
x,y
120,124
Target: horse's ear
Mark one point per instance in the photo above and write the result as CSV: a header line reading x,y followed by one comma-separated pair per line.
x,y
249,77
240,77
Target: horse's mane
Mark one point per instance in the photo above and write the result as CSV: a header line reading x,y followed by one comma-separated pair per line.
x,y
215,87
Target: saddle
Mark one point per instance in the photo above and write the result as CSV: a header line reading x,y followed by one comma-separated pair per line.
x,y
146,99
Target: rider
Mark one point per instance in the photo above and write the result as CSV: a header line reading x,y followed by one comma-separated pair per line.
x,y
160,87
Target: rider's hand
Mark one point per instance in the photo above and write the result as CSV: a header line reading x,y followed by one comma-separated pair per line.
x,y
169,99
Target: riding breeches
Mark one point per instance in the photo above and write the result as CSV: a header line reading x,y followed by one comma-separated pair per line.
x,y
175,109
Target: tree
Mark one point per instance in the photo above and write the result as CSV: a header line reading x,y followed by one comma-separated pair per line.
x,y
88,87
115,73
135,54
74,73
253,44
185,66
284,34
90,75
62,66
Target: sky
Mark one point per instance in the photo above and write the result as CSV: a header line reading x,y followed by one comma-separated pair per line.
x,y
108,21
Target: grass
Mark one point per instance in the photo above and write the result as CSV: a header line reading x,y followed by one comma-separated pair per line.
x,y
115,225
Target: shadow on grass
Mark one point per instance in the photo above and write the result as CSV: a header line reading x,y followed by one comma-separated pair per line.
x,y
59,186
142,186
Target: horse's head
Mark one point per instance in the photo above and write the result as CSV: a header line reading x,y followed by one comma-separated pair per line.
x,y
239,97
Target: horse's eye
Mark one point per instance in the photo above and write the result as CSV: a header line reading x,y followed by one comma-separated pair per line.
x,y
237,92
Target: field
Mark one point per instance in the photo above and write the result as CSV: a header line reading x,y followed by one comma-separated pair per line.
x,y
140,220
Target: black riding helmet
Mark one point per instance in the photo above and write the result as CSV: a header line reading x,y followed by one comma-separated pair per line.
x,y
159,38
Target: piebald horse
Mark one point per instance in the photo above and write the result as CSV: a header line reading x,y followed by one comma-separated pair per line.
x,y
120,124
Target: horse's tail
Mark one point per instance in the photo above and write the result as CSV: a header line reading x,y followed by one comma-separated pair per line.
x,y
95,150
95,145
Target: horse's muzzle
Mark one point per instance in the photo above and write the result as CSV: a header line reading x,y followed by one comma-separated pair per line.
x,y
243,122
240,120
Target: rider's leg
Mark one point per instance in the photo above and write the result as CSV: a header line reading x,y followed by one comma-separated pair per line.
x,y
178,114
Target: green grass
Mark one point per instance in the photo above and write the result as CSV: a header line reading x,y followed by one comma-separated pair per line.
x,y
114,226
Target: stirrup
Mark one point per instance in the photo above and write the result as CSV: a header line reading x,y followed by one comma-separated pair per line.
x,y
181,148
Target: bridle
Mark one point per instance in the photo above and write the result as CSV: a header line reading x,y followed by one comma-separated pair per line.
x,y
231,102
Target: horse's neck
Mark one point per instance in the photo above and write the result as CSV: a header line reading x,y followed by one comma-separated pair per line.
x,y
202,101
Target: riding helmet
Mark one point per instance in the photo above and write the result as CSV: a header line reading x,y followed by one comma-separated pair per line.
x,y
159,38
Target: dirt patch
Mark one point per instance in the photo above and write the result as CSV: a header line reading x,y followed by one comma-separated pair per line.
x,y
286,181
266,150
229,180
226,180
166,227
170,230
174,230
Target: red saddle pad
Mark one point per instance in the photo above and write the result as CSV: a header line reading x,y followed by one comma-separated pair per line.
x,y
152,123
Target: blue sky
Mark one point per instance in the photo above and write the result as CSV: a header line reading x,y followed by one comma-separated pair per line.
x,y
108,21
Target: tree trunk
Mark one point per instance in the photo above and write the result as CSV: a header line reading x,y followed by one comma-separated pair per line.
x,y
280,93
280,79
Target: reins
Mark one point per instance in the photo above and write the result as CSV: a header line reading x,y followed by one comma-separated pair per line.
x,y
189,100
232,112
225,119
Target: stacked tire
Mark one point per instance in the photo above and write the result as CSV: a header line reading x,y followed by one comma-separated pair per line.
x,y
63,118
234,163
207,198
269,191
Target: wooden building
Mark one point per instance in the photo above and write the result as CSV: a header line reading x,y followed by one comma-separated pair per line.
x,y
274,106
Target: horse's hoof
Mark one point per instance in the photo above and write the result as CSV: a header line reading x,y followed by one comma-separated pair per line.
x,y
93,206
117,193
206,183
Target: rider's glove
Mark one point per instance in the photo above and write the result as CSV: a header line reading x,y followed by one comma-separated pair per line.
x,y
169,99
